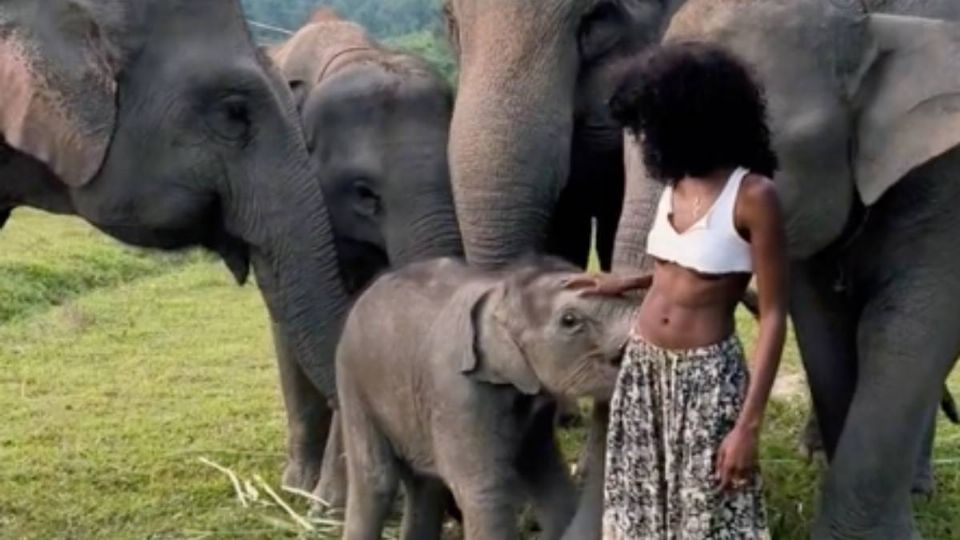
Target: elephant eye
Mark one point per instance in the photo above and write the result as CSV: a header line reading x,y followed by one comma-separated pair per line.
x,y
230,119
570,321
368,202
600,31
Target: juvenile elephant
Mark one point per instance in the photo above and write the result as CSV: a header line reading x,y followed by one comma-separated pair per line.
x,y
445,374
135,116
377,124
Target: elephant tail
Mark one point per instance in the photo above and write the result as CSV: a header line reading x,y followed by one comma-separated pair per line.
x,y
949,406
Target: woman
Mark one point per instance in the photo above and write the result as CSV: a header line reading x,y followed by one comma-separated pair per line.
x,y
686,415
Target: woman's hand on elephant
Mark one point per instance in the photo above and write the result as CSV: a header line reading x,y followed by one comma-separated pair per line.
x,y
737,458
596,284
606,284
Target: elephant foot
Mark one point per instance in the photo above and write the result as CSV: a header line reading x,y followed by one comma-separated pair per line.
x,y
302,474
332,490
332,487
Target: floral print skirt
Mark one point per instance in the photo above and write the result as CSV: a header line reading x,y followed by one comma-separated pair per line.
x,y
670,412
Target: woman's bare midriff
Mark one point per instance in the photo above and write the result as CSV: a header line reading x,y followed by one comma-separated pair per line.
x,y
684,309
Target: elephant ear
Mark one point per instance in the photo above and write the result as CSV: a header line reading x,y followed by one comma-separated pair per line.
x,y
494,356
908,95
58,77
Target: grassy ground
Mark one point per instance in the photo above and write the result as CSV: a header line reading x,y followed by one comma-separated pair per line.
x,y
119,370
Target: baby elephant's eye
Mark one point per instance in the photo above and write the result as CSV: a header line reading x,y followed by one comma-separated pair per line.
x,y
570,320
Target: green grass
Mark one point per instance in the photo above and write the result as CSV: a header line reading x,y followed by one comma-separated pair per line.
x,y
120,369
44,263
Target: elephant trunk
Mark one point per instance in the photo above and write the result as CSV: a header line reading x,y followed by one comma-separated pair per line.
x,y
511,135
284,220
429,228
433,233
639,209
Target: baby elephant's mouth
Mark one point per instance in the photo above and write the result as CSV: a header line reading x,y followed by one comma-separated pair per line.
x,y
608,366
616,359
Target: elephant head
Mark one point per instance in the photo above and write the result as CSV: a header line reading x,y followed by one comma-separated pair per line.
x,y
138,118
377,124
864,99
533,83
530,332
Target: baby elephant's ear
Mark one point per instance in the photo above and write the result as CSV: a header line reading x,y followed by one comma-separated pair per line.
x,y
494,356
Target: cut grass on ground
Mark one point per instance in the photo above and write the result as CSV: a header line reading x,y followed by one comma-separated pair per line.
x,y
148,364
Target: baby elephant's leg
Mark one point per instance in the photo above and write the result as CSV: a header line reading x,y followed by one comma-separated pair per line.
x,y
488,516
484,486
372,476
423,508
545,478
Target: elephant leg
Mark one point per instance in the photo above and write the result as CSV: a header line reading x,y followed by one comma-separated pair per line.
x,y
546,480
587,521
923,481
484,490
332,488
423,508
826,334
485,517
904,357
811,442
372,476
308,418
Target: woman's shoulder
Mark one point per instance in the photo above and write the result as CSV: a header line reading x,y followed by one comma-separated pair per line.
x,y
757,189
757,200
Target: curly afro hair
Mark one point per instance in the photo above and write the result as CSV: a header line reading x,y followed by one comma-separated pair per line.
x,y
696,108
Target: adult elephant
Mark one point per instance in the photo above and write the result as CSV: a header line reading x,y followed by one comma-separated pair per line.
x,y
136,117
377,124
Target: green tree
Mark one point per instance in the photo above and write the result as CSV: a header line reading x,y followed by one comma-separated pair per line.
x,y
382,18
431,47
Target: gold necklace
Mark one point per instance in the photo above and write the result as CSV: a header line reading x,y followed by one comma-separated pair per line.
x,y
696,207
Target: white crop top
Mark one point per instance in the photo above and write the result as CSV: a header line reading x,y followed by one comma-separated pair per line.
x,y
712,245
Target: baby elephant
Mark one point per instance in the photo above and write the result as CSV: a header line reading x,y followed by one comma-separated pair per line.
x,y
445,374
